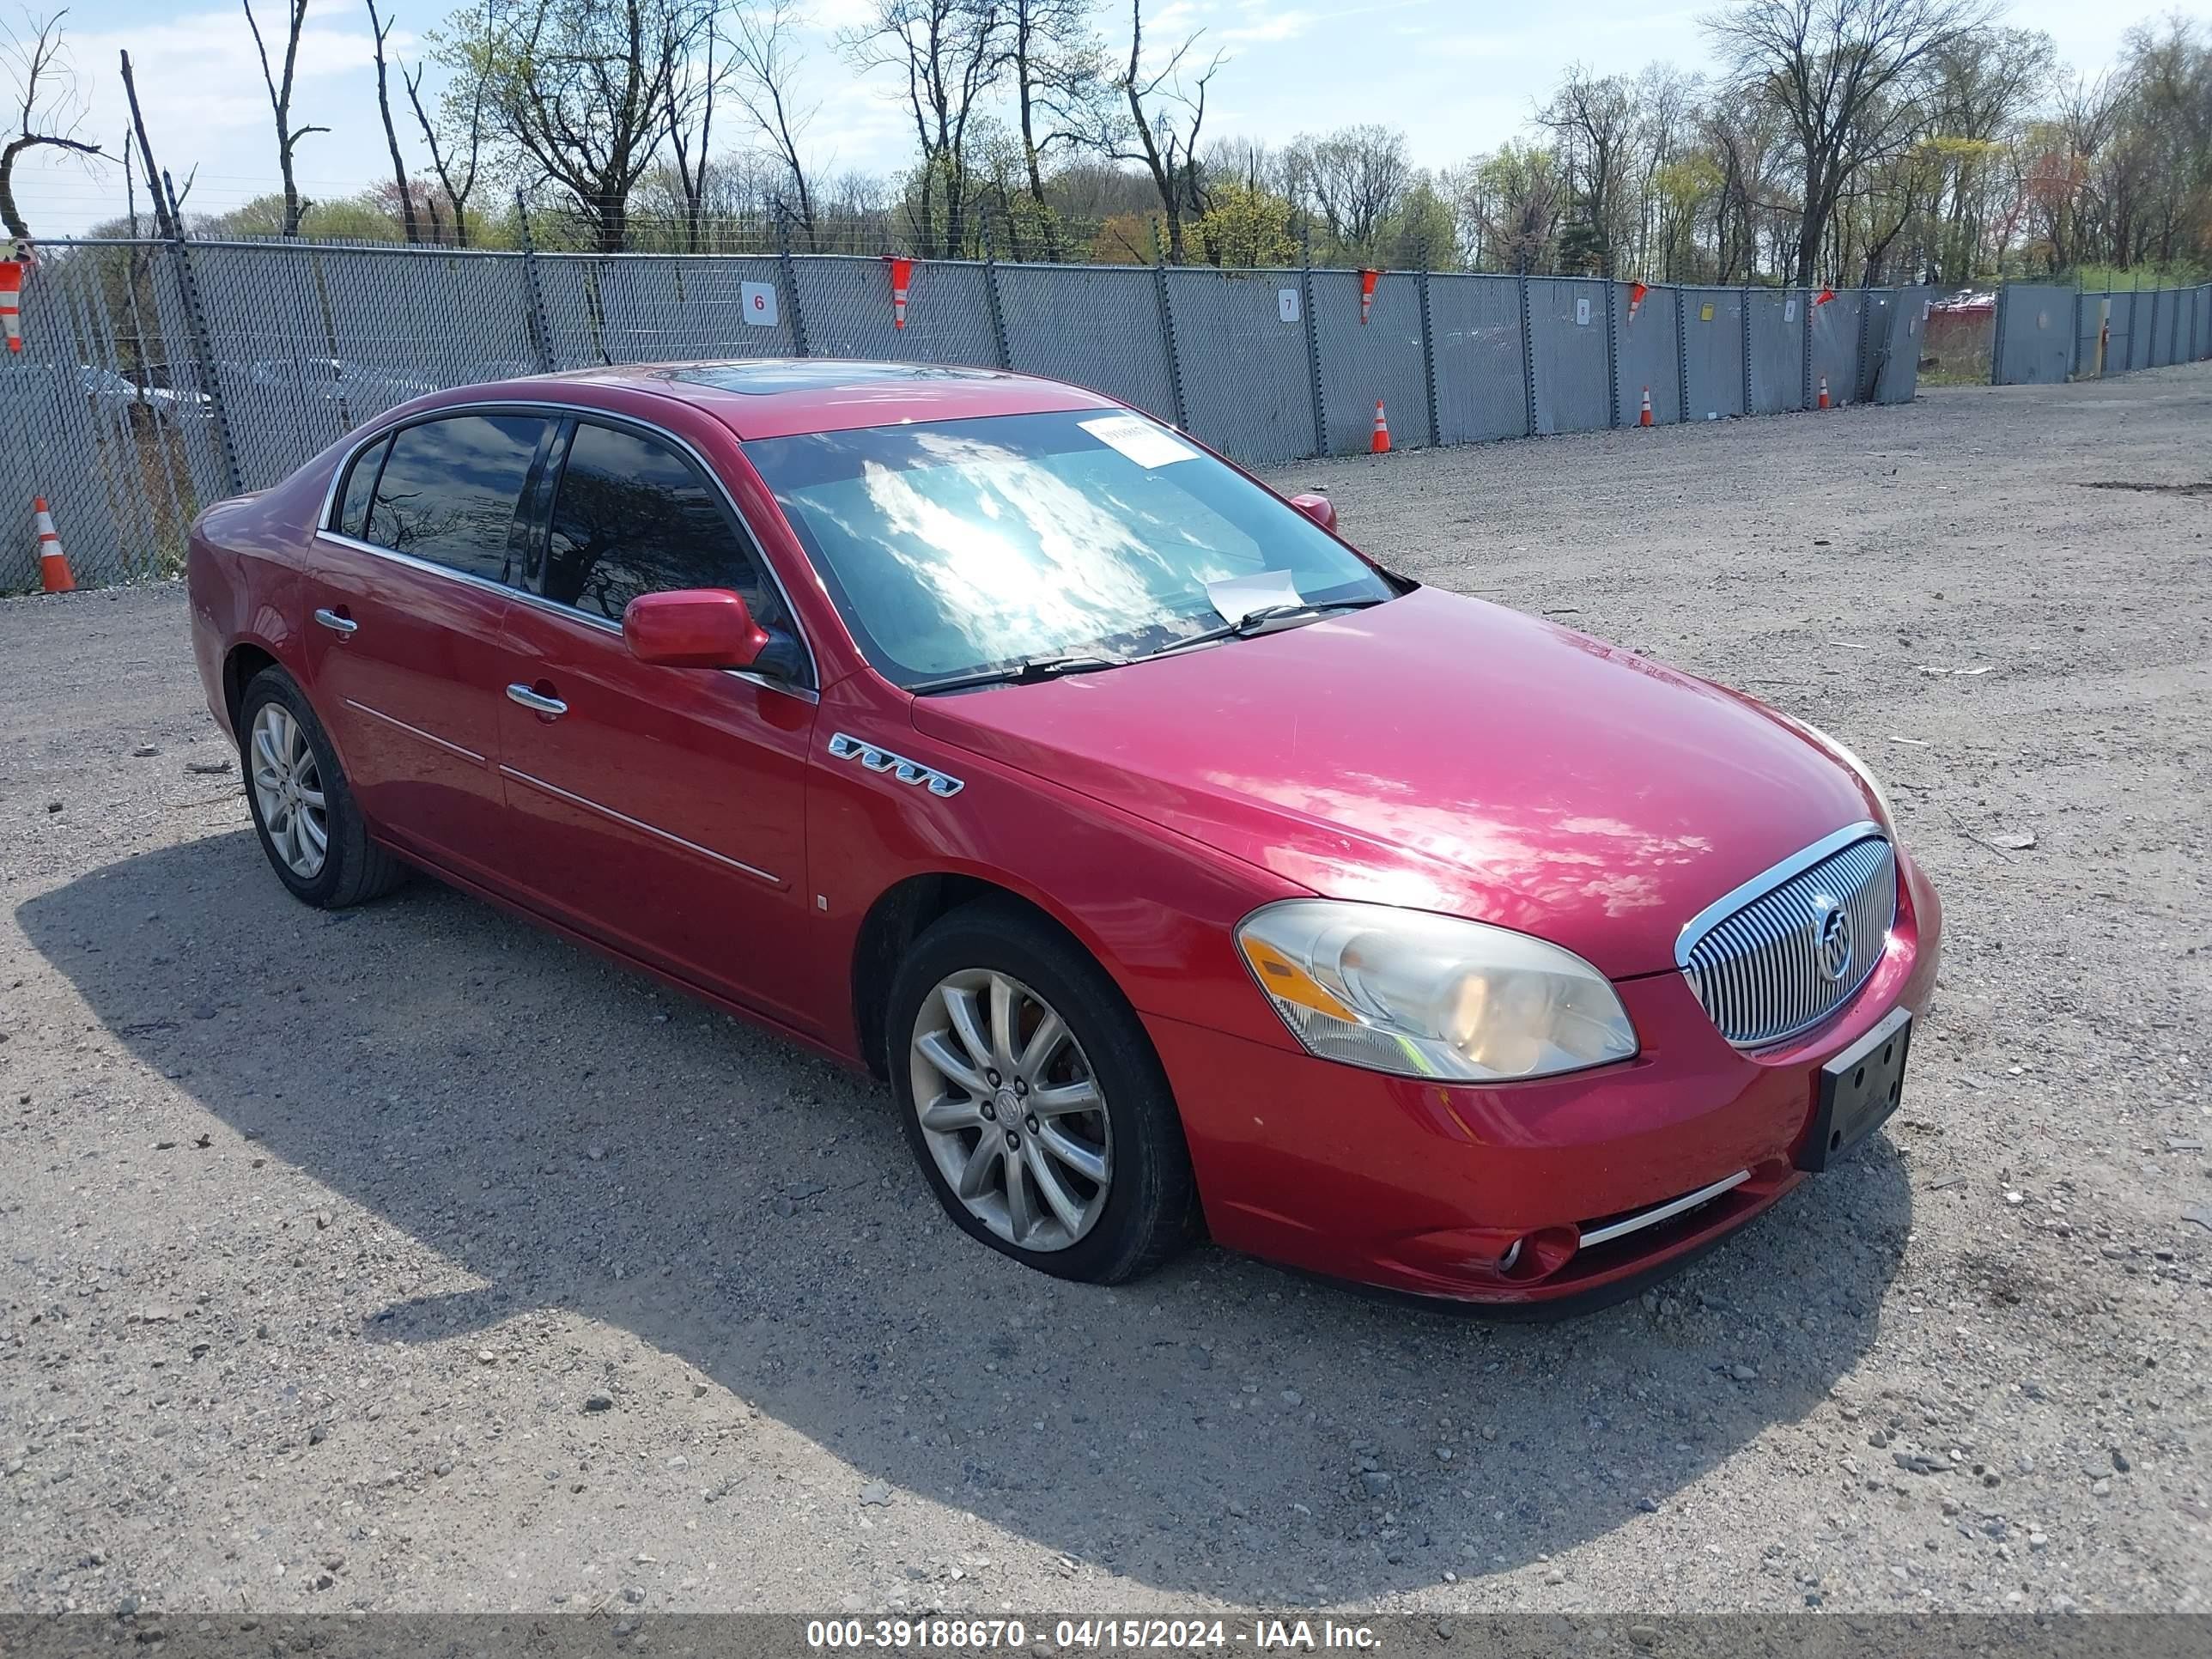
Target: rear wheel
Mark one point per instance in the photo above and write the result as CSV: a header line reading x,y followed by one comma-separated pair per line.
x,y
310,828
1034,1102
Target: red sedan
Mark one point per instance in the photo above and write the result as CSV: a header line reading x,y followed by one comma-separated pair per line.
x,y
1179,867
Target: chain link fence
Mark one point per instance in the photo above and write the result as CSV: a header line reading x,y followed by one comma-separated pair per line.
x,y
158,376
2047,333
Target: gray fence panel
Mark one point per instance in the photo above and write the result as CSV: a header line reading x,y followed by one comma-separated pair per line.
x,y
2120,326
2035,334
1567,346
1777,329
1836,349
847,304
2143,326
1361,363
287,391
2158,352
379,300
645,308
1097,326
1712,336
2089,336
1645,347
1245,382
2204,323
1481,367
1901,313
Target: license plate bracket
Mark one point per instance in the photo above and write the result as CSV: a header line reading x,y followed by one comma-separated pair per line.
x,y
1859,1089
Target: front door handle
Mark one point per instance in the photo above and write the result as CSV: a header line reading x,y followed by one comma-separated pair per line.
x,y
340,626
552,707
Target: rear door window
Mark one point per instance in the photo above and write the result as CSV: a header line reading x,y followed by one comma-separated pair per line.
x,y
448,491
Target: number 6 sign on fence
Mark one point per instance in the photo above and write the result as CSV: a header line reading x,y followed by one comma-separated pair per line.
x,y
758,302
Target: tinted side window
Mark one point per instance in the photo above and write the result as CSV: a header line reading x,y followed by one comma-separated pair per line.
x,y
632,516
353,503
449,488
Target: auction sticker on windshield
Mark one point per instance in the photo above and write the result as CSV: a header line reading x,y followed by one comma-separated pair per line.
x,y
1139,440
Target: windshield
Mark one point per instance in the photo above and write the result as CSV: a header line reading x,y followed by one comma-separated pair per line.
x,y
960,546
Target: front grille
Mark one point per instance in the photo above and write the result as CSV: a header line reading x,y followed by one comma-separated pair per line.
x,y
1773,967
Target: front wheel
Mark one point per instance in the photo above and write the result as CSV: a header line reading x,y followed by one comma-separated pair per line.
x,y
1034,1102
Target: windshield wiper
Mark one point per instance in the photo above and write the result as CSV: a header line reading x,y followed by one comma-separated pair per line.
x,y
1027,671
1266,620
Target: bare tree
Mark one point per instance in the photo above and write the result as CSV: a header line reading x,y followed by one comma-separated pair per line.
x,y
765,61
952,53
580,89
1593,118
1354,179
1059,77
379,29
1166,115
1838,72
690,107
280,101
47,109
465,111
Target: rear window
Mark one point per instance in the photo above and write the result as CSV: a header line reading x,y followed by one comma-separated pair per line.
x,y
448,491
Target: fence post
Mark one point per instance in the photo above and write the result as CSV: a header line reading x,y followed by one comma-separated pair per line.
x,y
1681,354
1428,358
541,335
1805,369
991,295
1313,344
1858,349
202,346
1527,353
1743,330
1167,330
1998,334
789,269
1612,353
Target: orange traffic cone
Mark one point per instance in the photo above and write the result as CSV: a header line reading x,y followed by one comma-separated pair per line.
x,y
11,301
1381,445
1645,417
1824,391
53,564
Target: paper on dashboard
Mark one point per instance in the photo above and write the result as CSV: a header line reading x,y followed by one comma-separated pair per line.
x,y
1237,596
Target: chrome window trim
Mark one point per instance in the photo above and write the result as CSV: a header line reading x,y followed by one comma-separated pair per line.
x,y
574,412
1695,929
1652,1218
652,829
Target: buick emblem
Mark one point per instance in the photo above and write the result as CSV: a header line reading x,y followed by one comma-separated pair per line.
x,y
1832,950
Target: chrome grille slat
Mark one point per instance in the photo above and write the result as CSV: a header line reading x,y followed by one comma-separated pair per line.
x,y
1758,970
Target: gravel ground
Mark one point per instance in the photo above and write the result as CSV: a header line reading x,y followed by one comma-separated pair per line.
x,y
411,1259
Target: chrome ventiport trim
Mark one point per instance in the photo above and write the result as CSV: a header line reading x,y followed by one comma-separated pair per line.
x,y
844,746
1636,1224
1735,898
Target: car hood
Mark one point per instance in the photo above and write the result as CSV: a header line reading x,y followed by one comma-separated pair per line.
x,y
1443,754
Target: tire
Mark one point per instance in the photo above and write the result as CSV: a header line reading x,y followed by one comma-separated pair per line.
x,y
353,869
1147,1210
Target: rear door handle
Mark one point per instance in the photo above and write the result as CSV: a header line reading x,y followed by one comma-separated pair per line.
x,y
552,707
340,626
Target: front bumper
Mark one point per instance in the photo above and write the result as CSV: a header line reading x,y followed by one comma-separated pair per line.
x,y
1416,1186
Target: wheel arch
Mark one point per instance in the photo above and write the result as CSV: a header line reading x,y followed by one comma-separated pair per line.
x,y
240,664
898,917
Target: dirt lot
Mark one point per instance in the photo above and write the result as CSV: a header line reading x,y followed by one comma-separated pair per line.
x,y
410,1258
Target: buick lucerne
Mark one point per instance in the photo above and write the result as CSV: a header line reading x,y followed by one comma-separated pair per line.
x,y
1181,869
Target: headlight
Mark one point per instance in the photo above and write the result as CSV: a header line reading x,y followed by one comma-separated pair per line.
x,y
1430,996
1836,747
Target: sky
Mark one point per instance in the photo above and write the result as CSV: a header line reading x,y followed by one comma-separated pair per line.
x,y
1458,77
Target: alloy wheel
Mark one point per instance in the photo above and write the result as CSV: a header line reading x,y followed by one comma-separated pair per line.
x,y
1011,1109
287,787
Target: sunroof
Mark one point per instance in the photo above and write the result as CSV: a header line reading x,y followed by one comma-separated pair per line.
x,y
766,378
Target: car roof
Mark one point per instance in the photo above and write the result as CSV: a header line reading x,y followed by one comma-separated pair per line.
x,y
779,398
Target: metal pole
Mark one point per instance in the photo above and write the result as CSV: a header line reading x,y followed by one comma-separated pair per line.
x,y
1805,372
1528,355
541,333
1313,343
790,269
1681,354
1743,330
1998,333
1612,353
991,297
1166,305
203,350
1429,357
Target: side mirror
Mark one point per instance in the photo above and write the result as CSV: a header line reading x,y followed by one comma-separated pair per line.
x,y
693,628
1316,508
